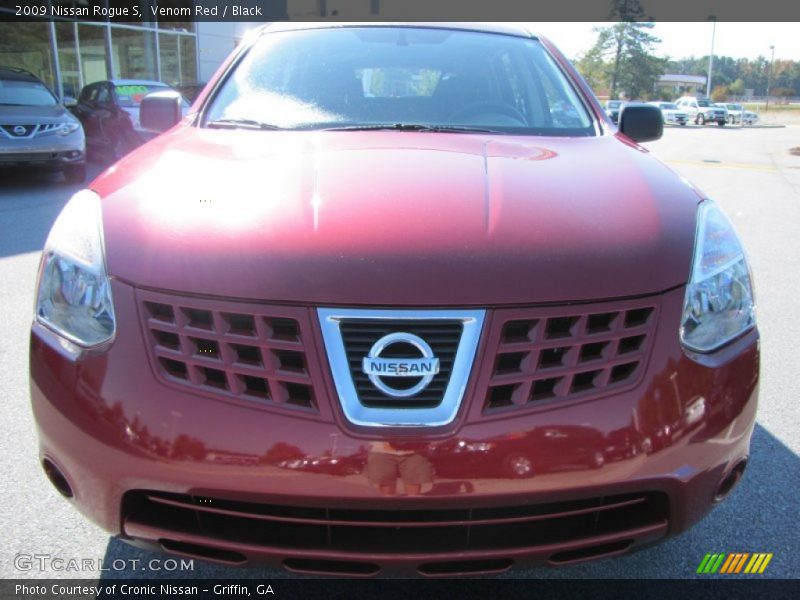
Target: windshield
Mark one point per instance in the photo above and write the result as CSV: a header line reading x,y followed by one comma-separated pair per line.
x,y
25,93
668,106
130,95
735,106
703,103
391,76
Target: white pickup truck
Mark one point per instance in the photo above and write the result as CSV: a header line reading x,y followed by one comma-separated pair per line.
x,y
703,110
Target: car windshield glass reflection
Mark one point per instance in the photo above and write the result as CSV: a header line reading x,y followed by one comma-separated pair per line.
x,y
412,79
25,93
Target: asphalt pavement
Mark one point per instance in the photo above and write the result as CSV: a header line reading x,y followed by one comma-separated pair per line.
x,y
749,172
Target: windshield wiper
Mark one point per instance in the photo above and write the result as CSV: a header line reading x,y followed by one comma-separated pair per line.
x,y
412,127
240,124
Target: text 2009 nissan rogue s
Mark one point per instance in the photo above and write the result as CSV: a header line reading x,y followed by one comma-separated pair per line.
x,y
394,298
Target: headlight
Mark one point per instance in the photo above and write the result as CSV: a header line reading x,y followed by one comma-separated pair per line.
x,y
69,127
74,296
719,303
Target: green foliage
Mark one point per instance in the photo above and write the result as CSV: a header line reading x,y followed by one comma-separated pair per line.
x,y
622,63
720,93
743,74
738,87
622,59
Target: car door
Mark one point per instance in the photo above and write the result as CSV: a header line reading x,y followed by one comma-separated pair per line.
x,y
107,118
86,114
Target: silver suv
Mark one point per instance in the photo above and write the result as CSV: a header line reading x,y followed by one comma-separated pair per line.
x,y
36,129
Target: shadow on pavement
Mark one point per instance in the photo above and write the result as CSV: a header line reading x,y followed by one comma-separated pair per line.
x,y
30,200
759,516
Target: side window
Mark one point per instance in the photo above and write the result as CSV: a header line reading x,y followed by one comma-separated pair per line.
x,y
87,93
103,97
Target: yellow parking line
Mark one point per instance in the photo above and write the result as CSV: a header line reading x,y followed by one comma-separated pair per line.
x,y
723,165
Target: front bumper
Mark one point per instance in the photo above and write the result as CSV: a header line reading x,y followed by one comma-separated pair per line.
x,y
47,150
165,468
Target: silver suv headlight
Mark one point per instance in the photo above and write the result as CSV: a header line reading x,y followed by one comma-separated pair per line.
x,y
73,295
69,127
719,304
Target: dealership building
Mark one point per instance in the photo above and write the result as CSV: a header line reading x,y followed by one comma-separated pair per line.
x,y
69,53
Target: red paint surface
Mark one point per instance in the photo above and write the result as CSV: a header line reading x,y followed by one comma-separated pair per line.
x,y
381,219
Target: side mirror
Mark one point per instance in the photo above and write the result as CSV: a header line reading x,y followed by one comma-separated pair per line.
x,y
160,110
641,122
70,102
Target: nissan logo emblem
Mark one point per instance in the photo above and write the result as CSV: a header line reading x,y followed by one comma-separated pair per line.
x,y
20,130
424,366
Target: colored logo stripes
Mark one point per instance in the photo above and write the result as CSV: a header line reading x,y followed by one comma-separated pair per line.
x,y
734,562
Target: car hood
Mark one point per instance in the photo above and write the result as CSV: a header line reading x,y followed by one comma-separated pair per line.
x,y
26,115
396,218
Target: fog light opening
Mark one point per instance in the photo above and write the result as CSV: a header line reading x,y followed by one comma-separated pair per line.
x,y
57,478
330,567
730,480
465,567
210,553
590,552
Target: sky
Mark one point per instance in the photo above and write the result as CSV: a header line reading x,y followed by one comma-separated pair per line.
x,y
681,40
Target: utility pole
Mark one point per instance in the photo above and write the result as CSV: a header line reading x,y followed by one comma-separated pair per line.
x,y
711,56
769,75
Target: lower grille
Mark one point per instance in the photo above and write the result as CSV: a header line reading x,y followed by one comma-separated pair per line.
x,y
27,157
390,531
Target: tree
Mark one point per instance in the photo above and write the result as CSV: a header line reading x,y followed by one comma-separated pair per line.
x,y
737,87
594,69
628,49
720,93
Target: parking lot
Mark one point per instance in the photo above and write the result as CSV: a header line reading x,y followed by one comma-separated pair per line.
x,y
749,171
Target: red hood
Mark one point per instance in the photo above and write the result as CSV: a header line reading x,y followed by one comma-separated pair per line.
x,y
389,218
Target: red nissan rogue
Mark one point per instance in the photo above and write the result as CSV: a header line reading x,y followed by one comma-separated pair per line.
x,y
394,297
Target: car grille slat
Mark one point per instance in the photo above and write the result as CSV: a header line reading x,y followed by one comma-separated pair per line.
x,y
391,531
252,353
459,520
562,353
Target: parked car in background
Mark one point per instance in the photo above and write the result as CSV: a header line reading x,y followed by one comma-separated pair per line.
x,y
613,108
671,113
36,129
109,112
703,110
190,91
737,114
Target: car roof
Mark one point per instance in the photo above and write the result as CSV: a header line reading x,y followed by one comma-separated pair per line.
x,y
14,74
512,29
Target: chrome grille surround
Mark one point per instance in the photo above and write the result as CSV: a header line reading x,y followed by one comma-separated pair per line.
x,y
442,413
